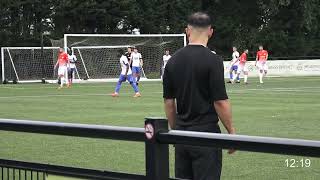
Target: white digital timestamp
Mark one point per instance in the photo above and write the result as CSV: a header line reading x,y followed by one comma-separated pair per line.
x,y
298,163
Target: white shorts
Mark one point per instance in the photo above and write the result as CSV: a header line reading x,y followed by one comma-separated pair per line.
x,y
62,71
262,65
242,68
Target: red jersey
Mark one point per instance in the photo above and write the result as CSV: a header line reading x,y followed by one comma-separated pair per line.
x,y
63,59
243,58
262,55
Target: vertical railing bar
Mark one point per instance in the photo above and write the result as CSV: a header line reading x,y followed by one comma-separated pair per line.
x,y
14,173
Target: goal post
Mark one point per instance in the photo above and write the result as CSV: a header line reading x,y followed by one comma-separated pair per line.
x,y
28,64
99,56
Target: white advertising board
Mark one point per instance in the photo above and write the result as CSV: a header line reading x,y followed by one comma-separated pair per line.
x,y
284,68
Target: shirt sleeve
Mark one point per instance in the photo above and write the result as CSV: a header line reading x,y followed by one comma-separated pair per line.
x,y
140,56
125,61
217,84
168,90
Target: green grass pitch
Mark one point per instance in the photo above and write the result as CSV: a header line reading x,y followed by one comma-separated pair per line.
x,y
282,107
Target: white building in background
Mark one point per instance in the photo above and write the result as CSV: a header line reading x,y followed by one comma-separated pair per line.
x,y
136,31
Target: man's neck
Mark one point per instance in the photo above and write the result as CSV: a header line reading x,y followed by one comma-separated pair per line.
x,y
198,41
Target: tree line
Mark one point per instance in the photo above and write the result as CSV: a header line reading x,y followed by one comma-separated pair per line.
x,y
284,27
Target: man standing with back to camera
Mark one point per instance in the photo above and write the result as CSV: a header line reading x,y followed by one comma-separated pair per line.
x,y
195,99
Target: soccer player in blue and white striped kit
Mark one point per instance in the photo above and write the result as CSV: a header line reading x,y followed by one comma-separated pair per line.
x,y
126,75
234,65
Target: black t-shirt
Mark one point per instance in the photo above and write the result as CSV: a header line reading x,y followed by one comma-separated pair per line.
x,y
128,55
194,76
129,58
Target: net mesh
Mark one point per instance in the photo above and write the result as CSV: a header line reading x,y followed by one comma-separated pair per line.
x,y
98,62
29,64
102,62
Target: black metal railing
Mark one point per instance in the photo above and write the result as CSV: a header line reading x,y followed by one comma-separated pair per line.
x,y
156,137
14,173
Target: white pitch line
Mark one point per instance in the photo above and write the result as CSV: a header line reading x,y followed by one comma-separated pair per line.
x,y
66,95
297,89
55,87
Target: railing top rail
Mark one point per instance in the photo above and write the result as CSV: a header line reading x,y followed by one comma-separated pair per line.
x,y
287,146
71,129
240,142
245,138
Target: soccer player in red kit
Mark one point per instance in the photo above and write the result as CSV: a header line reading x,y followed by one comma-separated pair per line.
x,y
261,62
242,66
63,62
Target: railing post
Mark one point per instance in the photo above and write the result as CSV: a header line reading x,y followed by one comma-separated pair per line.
x,y
157,154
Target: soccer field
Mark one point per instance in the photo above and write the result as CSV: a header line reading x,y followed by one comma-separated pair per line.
x,y
282,107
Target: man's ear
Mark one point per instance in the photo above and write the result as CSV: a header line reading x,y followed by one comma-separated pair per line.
x,y
187,31
210,32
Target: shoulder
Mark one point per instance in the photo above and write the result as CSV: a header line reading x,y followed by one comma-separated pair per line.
x,y
177,54
211,59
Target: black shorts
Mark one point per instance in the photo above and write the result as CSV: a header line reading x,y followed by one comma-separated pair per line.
x,y
71,72
198,163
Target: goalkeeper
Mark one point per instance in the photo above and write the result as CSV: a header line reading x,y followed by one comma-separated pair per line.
x,y
72,66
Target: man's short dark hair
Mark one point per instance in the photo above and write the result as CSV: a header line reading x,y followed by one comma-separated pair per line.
x,y
199,19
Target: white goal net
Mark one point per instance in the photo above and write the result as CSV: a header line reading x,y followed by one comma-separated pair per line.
x,y
99,63
28,64
98,57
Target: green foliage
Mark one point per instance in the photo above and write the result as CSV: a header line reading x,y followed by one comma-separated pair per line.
x,y
284,27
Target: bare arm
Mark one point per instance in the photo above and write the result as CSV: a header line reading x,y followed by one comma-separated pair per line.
x,y
223,109
127,69
55,66
141,62
170,109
